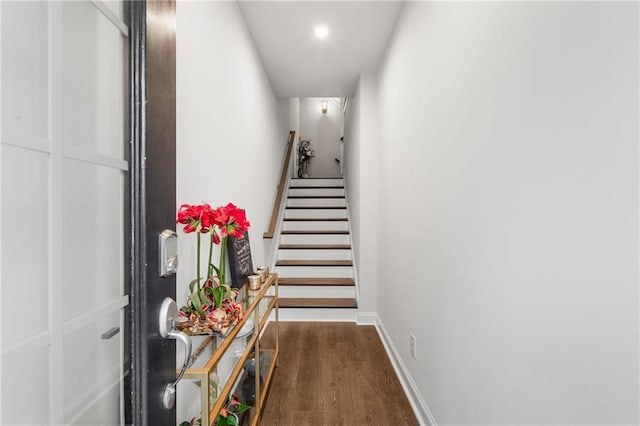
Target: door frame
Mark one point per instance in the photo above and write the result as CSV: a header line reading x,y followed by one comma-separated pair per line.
x,y
152,190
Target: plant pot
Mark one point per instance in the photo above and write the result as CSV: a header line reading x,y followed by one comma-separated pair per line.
x,y
199,326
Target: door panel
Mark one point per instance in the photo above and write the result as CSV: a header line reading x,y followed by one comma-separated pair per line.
x,y
24,248
92,365
79,224
25,88
25,153
64,95
20,370
93,241
94,81
102,411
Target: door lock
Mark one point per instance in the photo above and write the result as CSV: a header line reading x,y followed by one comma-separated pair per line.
x,y
168,253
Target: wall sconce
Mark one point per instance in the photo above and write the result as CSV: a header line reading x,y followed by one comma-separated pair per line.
x,y
325,106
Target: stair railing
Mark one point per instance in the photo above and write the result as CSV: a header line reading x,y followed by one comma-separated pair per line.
x,y
282,185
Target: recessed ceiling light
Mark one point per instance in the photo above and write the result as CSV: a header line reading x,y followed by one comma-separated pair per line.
x,y
321,31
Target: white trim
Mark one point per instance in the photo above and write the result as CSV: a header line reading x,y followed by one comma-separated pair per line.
x,y
20,140
111,16
367,318
82,154
91,316
638,207
1,361
418,404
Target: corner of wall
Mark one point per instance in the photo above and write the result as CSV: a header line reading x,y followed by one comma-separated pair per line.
x,y
420,408
367,318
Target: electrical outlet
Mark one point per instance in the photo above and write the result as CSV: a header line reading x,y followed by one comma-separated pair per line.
x,y
412,345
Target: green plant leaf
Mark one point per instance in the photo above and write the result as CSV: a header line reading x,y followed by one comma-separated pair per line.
x,y
215,269
242,408
227,288
196,303
203,298
192,285
218,293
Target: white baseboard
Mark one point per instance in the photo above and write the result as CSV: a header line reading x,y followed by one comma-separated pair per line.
x,y
367,318
420,408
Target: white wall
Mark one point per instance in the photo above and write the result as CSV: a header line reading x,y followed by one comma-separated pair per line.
x,y
361,170
294,124
352,171
324,131
230,137
509,209
283,117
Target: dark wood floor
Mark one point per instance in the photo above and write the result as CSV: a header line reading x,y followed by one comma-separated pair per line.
x,y
334,374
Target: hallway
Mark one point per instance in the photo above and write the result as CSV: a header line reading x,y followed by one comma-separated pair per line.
x,y
490,158
334,373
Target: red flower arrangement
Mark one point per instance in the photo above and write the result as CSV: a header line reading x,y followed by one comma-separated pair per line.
x,y
212,300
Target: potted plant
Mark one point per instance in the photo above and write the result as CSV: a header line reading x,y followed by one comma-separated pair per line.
x,y
305,153
211,304
228,415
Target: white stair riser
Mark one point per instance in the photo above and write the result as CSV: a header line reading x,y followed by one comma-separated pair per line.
x,y
316,202
317,292
315,225
316,182
315,239
315,213
315,271
315,192
317,314
313,254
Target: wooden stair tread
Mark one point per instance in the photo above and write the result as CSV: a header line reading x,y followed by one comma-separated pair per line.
x,y
317,187
305,262
316,303
315,219
298,197
314,232
317,281
314,246
315,207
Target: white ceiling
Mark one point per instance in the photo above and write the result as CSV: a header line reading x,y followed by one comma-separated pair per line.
x,y
298,63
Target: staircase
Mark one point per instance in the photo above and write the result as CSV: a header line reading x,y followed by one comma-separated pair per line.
x,y
314,260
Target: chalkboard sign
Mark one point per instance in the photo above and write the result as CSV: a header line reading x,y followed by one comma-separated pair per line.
x,y
240,263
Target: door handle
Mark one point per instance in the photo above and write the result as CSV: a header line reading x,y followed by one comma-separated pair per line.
x,y
168,317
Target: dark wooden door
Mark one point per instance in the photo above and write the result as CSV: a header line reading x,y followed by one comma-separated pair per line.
x,y
153,202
